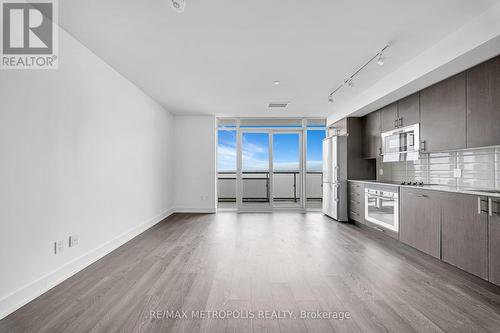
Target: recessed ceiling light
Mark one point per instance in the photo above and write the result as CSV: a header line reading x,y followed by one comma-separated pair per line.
x,y
178,5
276,83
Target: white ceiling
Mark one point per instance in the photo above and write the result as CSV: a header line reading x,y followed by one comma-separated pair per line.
x,y
220,57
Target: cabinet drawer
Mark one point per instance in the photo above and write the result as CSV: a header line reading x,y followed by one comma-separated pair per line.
x,y
355,216
353,196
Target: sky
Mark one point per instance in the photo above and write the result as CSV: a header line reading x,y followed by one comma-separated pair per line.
x,y
255,149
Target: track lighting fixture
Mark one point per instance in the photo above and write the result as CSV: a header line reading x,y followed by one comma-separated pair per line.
x,y
349,81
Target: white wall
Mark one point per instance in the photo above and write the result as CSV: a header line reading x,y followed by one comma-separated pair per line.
x,y
195,163
82,151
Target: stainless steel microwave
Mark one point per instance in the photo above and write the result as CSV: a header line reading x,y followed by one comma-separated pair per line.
x,y
402,140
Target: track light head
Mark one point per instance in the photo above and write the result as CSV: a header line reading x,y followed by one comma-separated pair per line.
x,y
350,83
380,60
330,99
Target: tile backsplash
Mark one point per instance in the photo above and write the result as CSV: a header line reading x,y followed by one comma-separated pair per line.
x,y
479,168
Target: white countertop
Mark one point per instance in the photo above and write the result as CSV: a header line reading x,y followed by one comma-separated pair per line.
x,y
442,188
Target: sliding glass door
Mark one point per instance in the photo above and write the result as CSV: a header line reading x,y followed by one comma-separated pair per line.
x,y
270,171
287,169
254,175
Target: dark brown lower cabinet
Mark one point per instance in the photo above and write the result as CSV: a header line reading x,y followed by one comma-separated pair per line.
x,y
464,223
494,242
420,220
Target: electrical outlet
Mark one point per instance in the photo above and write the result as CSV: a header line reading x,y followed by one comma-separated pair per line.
x,y
381,172
58,247
457,173
73,240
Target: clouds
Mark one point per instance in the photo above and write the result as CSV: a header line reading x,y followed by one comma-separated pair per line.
x,y
255,154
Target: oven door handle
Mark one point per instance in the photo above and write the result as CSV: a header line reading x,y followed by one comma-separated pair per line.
x,y
379,196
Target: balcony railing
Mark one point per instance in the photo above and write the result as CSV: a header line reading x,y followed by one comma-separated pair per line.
x,y
256,186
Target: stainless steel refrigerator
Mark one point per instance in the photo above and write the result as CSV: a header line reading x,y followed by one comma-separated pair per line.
x,y
335,177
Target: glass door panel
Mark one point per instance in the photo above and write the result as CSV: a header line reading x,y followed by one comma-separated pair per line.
x,y
255,169
314,169
287,174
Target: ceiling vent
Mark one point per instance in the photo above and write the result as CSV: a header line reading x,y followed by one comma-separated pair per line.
x,y
277,105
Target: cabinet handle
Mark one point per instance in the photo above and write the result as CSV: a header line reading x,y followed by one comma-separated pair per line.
x,y
401,122
479,210
422,146
396,123
490,207
418,195
498,205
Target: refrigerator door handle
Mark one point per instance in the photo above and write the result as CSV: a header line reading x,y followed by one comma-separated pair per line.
x,y
336,173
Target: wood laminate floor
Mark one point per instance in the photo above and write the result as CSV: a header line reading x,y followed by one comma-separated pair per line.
x,y
263,262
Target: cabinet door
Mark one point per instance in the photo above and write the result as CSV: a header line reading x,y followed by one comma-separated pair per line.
x,y
420,220
494,242
409,110
372,141
389,117
443,116
339,128
465,233
483,104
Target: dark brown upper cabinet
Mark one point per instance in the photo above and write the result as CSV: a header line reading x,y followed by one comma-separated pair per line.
x,y
483,104
409,110
372,141
389,117
402,113
443,115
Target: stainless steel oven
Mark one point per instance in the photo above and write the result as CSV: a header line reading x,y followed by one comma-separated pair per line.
x,y
382,206
402,140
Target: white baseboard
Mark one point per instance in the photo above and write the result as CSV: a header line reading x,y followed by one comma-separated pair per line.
x,y
195,210
31,291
